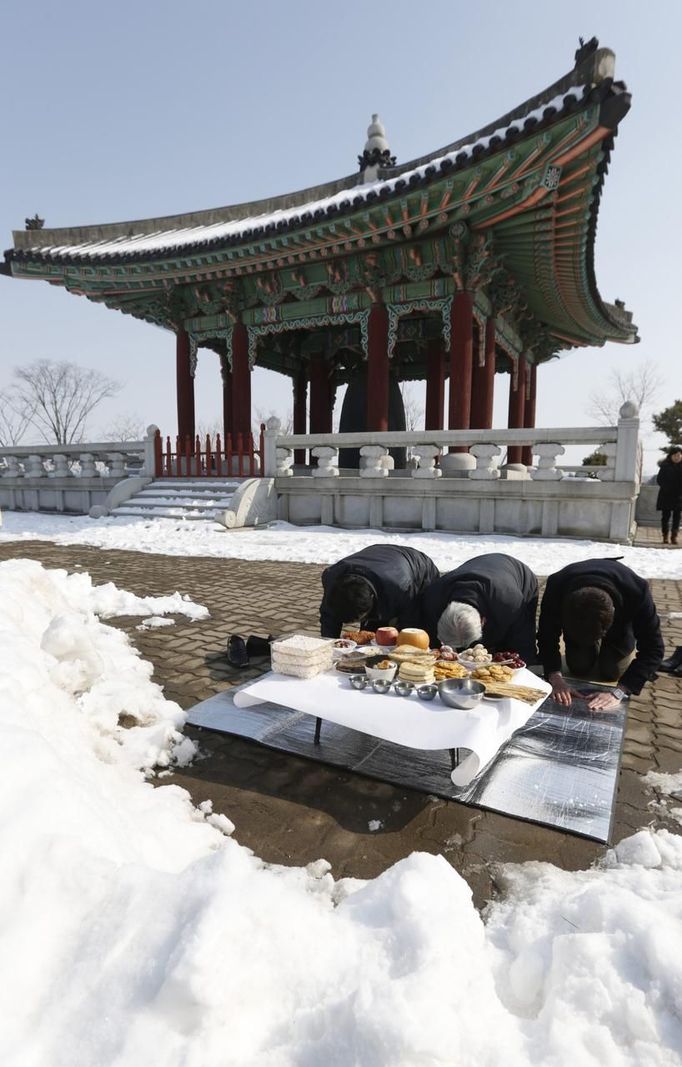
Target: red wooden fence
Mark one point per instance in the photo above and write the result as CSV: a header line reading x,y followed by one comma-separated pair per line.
x,y
235,458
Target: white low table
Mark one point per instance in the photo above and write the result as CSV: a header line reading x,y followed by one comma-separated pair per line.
x,y
406,721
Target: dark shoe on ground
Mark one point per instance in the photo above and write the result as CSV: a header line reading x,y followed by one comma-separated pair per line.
x,y
672,663
237,655
258,646
665,537
673,537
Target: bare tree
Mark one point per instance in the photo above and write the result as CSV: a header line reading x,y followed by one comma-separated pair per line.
x,y
641,386
61,396
125,428
15,417
414,412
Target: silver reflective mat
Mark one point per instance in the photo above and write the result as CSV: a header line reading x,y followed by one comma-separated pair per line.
x,y
559,770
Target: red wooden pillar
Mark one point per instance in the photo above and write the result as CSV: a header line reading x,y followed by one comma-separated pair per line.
x,y
300,385
320,395
529,409
241,382
435,385
461,363
483,383
184,386
226,375
517,402
377,369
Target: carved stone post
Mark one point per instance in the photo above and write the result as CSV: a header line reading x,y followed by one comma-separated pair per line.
x,y
486,470
327,462
373,455
546,470
272,458
116,464
426,456
34,466
61,467
87,462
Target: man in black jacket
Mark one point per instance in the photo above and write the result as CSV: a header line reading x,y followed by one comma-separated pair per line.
x,y
605,612
491,598
374,587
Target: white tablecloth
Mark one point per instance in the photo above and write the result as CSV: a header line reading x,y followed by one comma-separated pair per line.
x,y
405,721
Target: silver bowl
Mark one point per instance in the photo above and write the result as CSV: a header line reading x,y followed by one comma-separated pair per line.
x,y
427,692
404,689
462,693
359,681
381,685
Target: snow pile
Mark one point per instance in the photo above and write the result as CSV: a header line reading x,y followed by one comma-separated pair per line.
x,y
320,544
133,931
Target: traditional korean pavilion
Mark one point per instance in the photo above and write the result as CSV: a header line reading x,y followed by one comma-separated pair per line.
x,y
473,260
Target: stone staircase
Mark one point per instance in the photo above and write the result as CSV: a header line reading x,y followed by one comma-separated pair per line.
x,y
180,498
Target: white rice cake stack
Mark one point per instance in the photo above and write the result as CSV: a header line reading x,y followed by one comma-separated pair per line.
x,y
301,656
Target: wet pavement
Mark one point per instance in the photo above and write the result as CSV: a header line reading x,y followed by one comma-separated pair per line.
x,y
292,811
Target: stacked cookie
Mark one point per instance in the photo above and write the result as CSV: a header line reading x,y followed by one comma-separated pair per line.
x,y
301,656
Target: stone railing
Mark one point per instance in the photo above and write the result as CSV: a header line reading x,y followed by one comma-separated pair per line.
x,y
466,489
70,478
619,444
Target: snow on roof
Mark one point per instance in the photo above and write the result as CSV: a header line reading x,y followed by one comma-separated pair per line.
x,y
169,239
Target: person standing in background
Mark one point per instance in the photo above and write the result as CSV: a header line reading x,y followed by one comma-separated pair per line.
x,y
669,501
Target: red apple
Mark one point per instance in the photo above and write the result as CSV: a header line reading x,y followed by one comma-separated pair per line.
x,y
386,635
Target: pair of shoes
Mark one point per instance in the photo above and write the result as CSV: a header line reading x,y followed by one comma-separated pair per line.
x,y
258,646
672,663
237,655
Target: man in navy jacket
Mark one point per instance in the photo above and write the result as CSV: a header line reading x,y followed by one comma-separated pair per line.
x,y
374,587
606,613
491,598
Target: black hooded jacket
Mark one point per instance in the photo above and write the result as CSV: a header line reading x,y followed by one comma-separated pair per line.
x,y
397,575
502,589
635,616
669,480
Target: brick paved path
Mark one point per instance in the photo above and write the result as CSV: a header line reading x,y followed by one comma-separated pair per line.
x,y
291,810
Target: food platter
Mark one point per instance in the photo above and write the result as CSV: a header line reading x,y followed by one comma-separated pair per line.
x,y
408,670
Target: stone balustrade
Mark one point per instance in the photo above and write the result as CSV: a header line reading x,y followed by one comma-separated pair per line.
x,y
70,478
468,489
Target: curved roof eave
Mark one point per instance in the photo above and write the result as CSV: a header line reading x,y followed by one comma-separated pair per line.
x,y
597,68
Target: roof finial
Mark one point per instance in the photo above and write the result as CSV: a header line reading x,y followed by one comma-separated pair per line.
x,y
377,154
585,49
36,223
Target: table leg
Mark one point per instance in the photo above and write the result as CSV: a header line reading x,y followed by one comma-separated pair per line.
x,y
318,727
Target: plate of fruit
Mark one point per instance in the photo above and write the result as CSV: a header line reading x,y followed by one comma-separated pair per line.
x,y
509,659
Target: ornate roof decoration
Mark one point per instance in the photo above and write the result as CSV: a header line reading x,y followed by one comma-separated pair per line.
x,y
377,155
509,212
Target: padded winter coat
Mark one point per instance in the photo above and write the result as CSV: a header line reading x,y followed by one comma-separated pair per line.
x,y
669,479
502,589
397,575
635,616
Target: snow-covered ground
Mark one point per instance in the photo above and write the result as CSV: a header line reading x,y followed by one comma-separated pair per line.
x,y
135,930
319,544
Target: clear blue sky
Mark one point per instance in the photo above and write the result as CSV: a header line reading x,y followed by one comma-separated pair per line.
x,y
127,110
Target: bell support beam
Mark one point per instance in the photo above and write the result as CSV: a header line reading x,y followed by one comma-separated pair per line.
x,y
435,385
377,369
461,363
300,389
